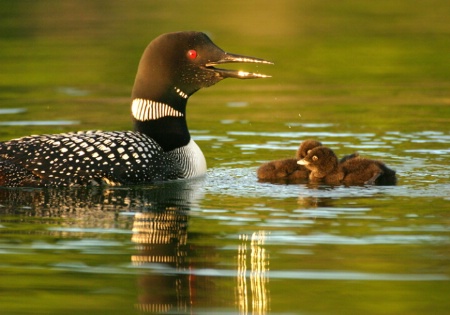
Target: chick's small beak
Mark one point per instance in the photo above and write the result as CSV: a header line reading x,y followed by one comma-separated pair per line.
x,y
302,162
234,58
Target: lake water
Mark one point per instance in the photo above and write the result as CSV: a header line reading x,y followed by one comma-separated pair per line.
x,y
367,77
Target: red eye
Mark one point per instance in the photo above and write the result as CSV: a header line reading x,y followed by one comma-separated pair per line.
x,y
192,54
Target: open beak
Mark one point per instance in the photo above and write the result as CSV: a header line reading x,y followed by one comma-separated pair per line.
x,y
238,74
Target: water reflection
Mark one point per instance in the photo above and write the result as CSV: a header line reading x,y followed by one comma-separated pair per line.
x,y
85,201
259,268
174,274
162,239
159,229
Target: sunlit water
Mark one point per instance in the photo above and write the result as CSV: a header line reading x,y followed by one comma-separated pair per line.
x,y
226,243
230,244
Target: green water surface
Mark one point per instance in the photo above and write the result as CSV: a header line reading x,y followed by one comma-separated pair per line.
x,y
366,76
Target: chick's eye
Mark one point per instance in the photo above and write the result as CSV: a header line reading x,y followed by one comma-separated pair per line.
x,y
315,158
192,54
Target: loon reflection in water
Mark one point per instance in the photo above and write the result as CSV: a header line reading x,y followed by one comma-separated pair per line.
x,y
167,254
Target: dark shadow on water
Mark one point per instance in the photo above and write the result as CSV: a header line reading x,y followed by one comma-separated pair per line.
x,y
56,202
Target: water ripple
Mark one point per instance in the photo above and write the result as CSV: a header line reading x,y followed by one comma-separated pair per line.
x,y
325,238
300,134
305,274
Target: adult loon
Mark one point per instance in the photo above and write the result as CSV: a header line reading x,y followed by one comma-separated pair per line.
x,y
172,68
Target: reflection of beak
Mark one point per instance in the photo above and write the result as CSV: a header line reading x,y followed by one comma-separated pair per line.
x,y
233,58
302,162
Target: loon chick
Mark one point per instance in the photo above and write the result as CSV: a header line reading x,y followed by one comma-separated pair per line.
x,y
287,170
324,167
172,68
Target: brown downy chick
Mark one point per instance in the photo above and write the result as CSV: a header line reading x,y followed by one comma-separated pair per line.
x,y
287,169
324,167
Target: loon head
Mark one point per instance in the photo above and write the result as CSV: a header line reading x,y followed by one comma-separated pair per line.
x,y
185,62
173,67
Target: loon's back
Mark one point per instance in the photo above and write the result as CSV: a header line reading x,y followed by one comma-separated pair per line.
x,y
85,158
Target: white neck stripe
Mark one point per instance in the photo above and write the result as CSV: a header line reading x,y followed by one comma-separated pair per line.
x,y
150,110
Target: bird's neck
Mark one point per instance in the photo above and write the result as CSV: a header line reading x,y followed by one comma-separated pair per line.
x,y
162,118
327,171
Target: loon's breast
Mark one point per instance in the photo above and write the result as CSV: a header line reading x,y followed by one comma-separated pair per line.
x,y
189,159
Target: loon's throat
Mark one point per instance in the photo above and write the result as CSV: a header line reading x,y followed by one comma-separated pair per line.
x,y
163,119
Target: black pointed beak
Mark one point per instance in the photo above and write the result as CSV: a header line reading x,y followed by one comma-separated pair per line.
x,y
238,74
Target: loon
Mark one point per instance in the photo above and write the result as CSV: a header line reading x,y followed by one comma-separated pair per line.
x,y
325,167
172,68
